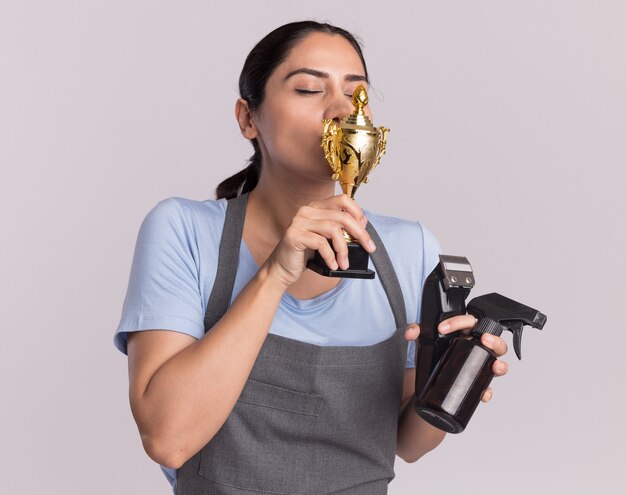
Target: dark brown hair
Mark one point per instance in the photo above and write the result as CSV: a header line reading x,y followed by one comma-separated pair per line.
x,y
259,65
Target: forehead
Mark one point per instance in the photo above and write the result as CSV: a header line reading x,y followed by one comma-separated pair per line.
x,y
327,52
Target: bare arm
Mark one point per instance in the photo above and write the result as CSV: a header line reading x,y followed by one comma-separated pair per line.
x,y
415,436
183,389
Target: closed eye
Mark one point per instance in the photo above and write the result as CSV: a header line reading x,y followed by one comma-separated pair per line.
x,y
307,91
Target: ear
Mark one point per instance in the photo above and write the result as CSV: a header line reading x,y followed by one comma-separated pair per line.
x,y
244,119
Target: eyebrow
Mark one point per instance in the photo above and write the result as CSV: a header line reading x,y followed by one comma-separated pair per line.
x,y
324,75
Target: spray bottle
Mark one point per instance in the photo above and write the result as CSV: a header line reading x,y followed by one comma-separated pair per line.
x,y
461,375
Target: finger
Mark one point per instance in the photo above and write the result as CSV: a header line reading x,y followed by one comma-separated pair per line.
x,y
329,230
345,203
487,395
340,246
319,243
495,343
500,367
456,323
351,206
412,332
341,218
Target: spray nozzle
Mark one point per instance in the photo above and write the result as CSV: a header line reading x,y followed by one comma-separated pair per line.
x,y
496,313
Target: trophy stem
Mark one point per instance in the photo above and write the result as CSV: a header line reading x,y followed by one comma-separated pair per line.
x,y
349,189
348,237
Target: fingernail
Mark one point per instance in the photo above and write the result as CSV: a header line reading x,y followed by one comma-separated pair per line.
x,y
363,221
489,339
372,245
444,327
499,367
345,261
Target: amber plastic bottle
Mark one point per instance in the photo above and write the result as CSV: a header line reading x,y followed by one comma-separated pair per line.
x,y
457,383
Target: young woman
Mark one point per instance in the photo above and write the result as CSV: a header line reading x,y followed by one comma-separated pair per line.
x,y
248,372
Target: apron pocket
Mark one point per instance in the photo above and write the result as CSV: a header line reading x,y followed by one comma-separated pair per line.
x,y
275,397
265,443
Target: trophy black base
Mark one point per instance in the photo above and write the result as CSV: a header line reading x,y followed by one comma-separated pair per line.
x,y
358,259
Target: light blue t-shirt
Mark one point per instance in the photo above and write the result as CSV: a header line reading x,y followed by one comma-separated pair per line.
x,y
175,264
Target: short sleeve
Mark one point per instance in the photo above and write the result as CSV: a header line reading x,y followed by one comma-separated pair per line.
x,y
431,250
163,289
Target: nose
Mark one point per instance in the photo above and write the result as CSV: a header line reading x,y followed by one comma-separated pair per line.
x,y
339,106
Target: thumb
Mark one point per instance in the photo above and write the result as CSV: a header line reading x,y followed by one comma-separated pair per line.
x,y
412,331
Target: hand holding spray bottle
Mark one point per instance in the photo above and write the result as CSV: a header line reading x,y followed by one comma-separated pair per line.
x,y
453,371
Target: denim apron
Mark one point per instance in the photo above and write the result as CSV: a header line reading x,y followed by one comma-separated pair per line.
x,y
310,419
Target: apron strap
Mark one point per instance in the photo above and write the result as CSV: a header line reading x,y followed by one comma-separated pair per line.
x,y
228,259
388,277
227,262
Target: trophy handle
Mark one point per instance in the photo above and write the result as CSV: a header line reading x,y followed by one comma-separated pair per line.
x,y
382,146
331,139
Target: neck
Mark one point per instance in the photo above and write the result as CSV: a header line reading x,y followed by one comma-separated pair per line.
x,y
274,201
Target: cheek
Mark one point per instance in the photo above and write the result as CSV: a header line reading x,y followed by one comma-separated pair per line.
x,y
299,129
292,130
283,139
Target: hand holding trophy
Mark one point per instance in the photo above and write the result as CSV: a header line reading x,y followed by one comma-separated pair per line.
x,y
352,148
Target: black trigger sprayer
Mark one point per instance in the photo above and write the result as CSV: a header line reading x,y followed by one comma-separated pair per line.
x,y
460,376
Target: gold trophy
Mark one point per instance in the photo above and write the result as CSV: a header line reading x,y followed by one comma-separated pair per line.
x,y
352,148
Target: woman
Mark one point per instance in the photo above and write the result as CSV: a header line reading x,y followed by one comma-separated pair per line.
x,y
301,383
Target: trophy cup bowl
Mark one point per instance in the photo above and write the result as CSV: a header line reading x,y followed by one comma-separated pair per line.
x,y
353,148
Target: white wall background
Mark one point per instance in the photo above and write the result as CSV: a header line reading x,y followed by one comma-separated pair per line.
x,y
508,135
